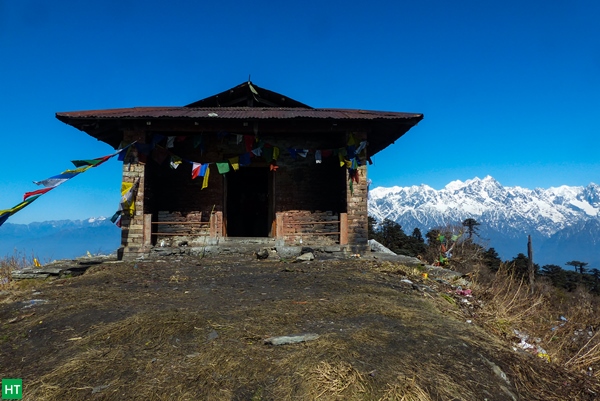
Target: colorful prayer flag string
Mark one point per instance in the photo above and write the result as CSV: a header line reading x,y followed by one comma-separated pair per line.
x,y
56,180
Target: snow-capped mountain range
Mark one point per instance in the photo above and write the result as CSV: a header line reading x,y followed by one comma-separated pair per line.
x,y
564,221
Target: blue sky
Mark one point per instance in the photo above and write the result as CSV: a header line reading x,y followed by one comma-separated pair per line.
x,y
509,89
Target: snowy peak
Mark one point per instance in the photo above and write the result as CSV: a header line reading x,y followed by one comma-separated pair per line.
x,y
545,211
564,220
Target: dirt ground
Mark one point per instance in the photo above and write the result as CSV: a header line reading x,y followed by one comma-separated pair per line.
x,y
188,328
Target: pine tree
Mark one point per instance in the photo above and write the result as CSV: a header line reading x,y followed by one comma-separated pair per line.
x,y
577,264
471,225
416,234
555,274
492,260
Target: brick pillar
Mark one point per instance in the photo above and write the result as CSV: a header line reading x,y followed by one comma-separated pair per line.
x,y
357,212
134,234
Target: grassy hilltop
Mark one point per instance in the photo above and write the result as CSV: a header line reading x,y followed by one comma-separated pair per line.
x,y
185,328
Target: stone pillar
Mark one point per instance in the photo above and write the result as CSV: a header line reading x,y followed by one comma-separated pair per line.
x,y
357,212
134,234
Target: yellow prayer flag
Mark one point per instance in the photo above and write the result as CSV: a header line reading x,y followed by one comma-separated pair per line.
x,y
235,163
127,201
275,152
351,140
78,170
125,187
205,181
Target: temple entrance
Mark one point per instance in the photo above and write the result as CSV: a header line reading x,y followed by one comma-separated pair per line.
x,y
247,202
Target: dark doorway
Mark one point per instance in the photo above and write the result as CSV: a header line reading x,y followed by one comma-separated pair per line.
x,y
248,202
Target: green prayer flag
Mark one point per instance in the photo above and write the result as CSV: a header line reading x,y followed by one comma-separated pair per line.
x,y
223,167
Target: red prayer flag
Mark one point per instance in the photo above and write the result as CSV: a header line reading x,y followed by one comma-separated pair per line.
x,y
38,192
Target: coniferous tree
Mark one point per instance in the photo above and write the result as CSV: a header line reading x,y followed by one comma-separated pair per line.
x,y
371,224
416,234
391,235
432,237
471,225
595,273
555,274
520,266
577,264
492,260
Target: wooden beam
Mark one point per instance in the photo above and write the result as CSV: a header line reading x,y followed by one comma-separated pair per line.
x,y
343,228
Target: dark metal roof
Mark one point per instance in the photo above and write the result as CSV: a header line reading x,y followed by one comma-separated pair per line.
x,y
248,94
245,113
247,106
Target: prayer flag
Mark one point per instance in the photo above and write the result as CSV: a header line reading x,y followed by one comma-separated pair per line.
x,y
143,148
175,161
207,173
4,214
203,170
245,159
350,151
318,158
170,141
326,153
56,180
91,162
128,191
116,216
235,163
38,192
248,142
4,217
302,152
362,145
196,169
223,167
78,170
123,154
275,153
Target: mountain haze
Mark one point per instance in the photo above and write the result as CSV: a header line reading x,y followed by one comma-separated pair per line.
x,y
564,221
61,239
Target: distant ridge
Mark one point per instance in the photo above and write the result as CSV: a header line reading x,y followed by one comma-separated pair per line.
x,y
59,239
563,221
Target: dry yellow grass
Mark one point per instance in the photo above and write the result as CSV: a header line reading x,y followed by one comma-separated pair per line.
x,y
125,332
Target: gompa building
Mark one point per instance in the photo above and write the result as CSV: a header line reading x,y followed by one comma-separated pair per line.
x,y
247,163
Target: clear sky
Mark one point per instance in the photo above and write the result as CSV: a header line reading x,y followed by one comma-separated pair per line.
x,y
509,89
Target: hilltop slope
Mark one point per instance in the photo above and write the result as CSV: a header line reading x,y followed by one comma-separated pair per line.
x,y
189,328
